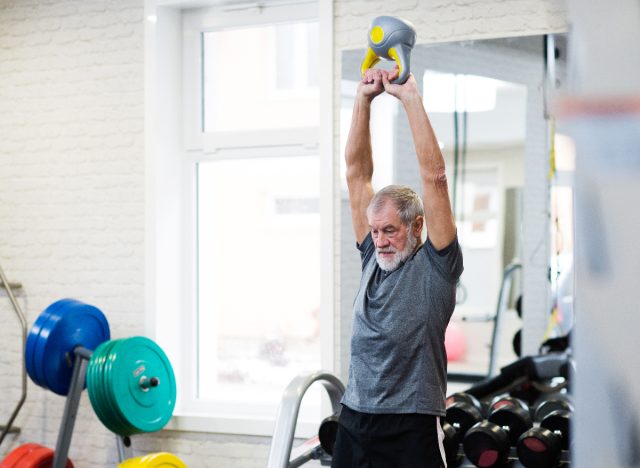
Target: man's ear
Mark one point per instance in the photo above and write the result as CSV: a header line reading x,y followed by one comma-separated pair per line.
x,y
417,226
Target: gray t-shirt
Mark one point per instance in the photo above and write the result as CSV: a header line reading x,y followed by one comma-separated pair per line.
x,y
398,360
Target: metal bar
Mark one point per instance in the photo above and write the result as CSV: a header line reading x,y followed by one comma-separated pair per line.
x,y
12,430
80,363
310,449
503,297
83,352
123,445
23,323
549,85
287,417
465,377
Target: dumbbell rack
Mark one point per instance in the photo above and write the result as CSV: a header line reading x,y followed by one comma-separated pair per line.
x,y
513,461
4,283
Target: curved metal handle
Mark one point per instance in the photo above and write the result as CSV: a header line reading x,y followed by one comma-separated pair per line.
x,y
503,296
23,324
287,417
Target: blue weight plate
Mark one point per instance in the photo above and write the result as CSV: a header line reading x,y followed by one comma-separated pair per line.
x,y
32,341
40,364
73,324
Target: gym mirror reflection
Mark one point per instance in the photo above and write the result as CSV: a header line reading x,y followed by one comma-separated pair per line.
x,y
485,102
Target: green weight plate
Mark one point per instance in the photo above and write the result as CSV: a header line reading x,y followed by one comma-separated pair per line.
x,y
119,420
136,360
97,388
93,383
118,424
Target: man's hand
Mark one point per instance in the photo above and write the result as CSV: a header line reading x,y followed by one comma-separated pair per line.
x,y
371,84
405,91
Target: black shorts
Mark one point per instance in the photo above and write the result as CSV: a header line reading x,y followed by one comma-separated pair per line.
x,y
388,441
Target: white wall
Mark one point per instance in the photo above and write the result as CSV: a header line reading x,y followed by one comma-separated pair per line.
x,y
72,179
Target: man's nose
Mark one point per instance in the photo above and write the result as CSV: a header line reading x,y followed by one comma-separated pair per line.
x,y
382,241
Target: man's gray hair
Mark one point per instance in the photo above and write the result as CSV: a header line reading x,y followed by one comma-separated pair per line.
x,y
406,200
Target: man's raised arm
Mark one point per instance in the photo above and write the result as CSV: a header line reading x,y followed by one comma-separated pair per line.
x,y
358,152
441,227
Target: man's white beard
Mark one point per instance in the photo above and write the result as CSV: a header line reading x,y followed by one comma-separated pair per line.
x,y
398,257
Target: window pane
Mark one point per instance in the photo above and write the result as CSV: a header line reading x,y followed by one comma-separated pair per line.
x,y
259,276
261,77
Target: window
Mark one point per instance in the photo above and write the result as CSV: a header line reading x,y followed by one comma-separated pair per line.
x,y
261,77
239,196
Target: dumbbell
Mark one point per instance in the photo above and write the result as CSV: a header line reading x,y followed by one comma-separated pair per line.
x,y
327,433
463,412
465,397
540,447
487,443
505,400
550,403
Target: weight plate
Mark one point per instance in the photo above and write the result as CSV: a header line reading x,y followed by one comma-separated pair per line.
x,y
31,363
539,447
93,383
17,454
135,361
97,385
94,363
119,421
73,324
465,398
36,458
154,460
40,457
486,445
130,463
327,433
41,361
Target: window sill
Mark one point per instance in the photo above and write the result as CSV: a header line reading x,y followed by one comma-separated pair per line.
x,y
236,425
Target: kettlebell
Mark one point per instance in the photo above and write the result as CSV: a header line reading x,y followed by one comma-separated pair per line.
x,y
390,38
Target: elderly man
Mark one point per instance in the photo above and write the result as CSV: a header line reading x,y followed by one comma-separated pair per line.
x,y
397,376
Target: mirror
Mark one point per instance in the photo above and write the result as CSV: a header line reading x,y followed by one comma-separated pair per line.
x,y
485,101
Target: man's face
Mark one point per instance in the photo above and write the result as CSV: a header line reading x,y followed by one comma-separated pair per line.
x,y
394,241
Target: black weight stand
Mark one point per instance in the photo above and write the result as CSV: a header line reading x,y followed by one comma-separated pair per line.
x,y
81,356
78,377
125,451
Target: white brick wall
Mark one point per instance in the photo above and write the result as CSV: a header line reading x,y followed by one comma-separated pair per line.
x,y
72,176
71,191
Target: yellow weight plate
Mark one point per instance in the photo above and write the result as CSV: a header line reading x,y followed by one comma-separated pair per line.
x,y
154,460
131,463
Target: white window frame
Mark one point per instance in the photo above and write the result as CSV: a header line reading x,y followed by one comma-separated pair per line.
x,y
171,148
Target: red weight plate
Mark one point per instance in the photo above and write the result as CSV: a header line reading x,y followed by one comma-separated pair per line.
x,y
17,454
40,457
